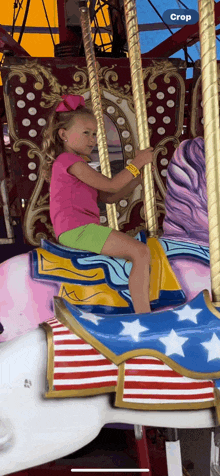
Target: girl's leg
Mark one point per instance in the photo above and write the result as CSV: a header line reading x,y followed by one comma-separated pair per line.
x,y
120,245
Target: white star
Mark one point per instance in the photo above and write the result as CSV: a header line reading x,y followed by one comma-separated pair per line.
x,y
133,329
88,316
213,347
187,313
173,343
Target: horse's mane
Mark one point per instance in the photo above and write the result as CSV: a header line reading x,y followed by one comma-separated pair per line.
x,y
186,199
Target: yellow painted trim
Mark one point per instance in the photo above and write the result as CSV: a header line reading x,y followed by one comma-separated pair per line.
x,y
120,385
50,354
210,305
79,393
164,406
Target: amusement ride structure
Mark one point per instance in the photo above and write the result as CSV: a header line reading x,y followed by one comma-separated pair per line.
x,y
138,101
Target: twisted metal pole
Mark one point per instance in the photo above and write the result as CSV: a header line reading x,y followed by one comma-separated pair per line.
x,y
211,135
96,103
140,112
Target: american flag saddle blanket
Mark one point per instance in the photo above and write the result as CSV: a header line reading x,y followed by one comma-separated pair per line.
x,y
99,284
164,360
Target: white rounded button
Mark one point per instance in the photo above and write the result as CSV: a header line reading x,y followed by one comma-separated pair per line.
x,y
151,120
171,90
26,122
21,104
128,147
160,109
31,96
32,133
123,203
160,95
170,103
125,134
32,177
32,111
19,90
32,165
110,109
161,130
103,219
120,121
166,119
164,161
164,172
41,121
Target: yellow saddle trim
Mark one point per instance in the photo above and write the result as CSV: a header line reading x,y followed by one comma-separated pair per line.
x,y
99,294
52,265
162,276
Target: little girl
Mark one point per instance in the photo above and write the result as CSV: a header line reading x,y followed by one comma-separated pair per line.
x,y
75,187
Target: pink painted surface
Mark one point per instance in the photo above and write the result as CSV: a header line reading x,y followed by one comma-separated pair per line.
x,y
24,303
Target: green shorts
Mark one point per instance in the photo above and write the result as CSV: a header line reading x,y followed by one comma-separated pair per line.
x,y
90,237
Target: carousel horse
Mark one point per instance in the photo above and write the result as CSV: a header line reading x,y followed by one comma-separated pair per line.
x,y
29,281
93,322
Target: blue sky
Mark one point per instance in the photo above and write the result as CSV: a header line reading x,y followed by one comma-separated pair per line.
x,y
150,39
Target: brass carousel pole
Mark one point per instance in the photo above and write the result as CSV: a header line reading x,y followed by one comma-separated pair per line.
x,y
140,112
96,103
211,136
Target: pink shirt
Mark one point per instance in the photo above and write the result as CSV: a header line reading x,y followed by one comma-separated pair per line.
x,y
72,202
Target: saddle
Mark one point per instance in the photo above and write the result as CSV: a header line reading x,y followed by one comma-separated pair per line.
x,y
98,283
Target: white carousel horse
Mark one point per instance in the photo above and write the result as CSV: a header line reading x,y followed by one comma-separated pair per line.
x,y
37,430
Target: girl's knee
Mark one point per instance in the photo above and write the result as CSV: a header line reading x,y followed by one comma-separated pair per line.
x,y
142,252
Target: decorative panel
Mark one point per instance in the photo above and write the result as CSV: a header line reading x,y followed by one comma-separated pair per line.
x,y
31,86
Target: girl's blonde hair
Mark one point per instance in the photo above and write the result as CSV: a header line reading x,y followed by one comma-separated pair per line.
x,y
52,144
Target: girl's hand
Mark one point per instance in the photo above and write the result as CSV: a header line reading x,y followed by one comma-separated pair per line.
x,y
143,157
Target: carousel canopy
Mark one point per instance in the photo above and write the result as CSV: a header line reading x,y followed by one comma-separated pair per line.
x,y
35,24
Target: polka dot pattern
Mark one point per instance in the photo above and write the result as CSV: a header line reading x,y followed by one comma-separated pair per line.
x,y
162,112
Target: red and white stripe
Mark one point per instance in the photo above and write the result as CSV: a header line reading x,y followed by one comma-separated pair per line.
x,y
77,366
148,381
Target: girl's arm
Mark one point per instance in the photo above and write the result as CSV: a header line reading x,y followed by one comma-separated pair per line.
x,y
107,197
91,177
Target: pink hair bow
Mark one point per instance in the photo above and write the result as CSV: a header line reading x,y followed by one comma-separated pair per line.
x,y
70,103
